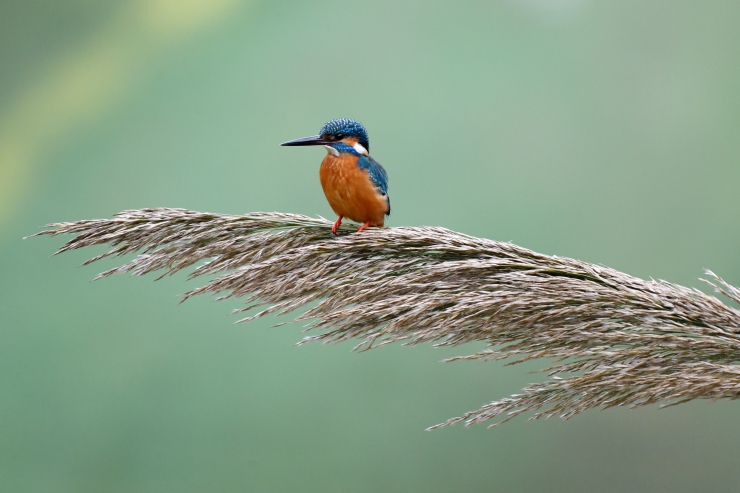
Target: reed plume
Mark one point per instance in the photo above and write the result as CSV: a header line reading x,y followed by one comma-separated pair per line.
x,y
610,339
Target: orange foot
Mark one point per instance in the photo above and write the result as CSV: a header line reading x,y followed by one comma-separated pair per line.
x,y
364,226
337,224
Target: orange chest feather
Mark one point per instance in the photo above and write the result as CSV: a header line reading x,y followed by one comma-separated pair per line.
x,y
341,171
350,191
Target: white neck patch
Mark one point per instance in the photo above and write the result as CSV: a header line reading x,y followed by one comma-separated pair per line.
x,y
331,150
361,149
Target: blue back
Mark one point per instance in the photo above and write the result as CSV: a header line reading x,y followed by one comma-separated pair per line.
x,y
378,176
376,171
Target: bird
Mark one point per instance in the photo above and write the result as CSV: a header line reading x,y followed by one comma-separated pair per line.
x,y
355,185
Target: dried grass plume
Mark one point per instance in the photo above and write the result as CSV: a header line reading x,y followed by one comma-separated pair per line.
x,y
615,340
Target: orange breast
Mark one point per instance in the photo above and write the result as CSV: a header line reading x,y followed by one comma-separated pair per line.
x,y
350,191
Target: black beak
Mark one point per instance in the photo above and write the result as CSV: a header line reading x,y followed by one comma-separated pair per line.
x,y
314,140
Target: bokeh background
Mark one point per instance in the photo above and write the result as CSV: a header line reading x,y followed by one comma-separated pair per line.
x,y
601,130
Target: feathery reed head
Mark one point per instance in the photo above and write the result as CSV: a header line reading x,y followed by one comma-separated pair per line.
x,y
616,340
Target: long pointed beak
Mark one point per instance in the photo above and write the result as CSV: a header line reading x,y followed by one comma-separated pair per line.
x,y
314,140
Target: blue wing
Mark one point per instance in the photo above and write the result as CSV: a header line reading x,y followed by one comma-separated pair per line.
x,y
378,176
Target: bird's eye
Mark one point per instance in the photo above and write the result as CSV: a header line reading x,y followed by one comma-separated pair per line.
x,y
339,136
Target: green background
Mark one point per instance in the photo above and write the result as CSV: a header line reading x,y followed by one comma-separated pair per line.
x,y
601,130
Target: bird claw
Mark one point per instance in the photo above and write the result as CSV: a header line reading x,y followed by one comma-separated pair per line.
x,y
364,226
336,225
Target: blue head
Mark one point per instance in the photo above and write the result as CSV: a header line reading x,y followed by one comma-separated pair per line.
x,y
342,130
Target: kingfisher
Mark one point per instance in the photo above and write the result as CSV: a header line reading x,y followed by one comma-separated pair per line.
x,y
355,184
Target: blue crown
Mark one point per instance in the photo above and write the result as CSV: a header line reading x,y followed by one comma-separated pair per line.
x,y
344,127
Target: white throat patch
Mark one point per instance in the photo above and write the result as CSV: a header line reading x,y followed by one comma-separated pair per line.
x,y
361,149
331,150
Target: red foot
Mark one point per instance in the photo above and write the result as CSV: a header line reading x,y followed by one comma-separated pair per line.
x,y
364,226
337,224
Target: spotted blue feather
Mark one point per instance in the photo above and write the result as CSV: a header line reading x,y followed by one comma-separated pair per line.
x,y
346,128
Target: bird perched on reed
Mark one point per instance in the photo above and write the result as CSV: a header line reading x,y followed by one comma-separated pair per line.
x,y
355,184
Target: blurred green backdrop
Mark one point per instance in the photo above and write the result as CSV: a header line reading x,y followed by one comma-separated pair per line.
x,y
601,130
